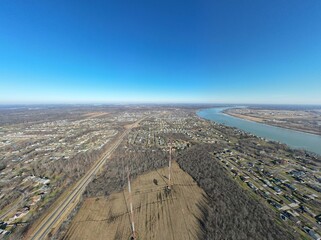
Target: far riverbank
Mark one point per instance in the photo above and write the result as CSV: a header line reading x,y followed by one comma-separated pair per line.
x,y
292,138
275,124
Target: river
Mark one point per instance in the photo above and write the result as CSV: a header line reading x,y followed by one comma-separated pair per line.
x,y
292,138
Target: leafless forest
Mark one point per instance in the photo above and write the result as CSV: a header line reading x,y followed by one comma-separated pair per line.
x,y
233,214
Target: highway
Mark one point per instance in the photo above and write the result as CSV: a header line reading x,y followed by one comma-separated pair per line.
x,y
57,214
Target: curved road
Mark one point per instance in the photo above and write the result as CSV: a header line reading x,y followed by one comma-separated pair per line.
x,y
57,214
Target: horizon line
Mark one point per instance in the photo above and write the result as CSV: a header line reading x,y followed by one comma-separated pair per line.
x,y
152,103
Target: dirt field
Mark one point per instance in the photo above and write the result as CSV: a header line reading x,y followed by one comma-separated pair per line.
x,y
95,114
157,215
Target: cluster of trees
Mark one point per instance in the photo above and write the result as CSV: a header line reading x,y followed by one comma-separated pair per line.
x,y
114,176
9,198
231,212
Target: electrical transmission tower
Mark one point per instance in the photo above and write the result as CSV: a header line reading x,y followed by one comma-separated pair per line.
x,y
133,235
169,186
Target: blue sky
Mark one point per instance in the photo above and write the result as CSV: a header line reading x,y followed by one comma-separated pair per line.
x,y
231,51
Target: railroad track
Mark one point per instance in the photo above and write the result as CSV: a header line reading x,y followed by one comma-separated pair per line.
x,y
57,214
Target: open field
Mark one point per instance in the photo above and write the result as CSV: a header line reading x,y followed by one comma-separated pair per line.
x,y
301,120
95,114
157,215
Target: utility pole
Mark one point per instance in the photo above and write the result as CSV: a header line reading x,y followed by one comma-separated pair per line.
x,y
133,236
170,165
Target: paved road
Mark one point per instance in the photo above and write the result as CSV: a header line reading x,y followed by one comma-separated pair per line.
x,y
57,214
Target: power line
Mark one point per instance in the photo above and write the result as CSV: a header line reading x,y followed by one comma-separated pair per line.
x,y
133,235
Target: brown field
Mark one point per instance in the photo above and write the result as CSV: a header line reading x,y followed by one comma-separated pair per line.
x,y
157,215
95,114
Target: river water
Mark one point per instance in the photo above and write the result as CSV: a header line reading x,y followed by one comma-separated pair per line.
x,y
292,138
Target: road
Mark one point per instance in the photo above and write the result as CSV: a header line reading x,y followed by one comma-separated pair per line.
x,y
57,214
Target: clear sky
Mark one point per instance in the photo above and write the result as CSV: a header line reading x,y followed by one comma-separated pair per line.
x,y
227,51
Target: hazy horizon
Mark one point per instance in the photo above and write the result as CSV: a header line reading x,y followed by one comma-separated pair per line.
x,y
157,104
